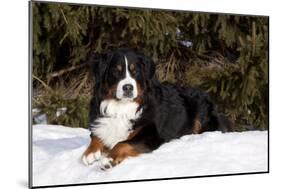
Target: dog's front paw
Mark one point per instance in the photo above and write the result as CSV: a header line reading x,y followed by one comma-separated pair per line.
x,y
106,163
90,158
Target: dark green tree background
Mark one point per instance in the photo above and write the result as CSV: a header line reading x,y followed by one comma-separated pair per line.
x,y
228,56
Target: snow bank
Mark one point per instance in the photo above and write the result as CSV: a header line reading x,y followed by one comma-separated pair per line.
x,y
57,154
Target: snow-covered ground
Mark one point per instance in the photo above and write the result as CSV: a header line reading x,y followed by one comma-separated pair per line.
x,y
57,154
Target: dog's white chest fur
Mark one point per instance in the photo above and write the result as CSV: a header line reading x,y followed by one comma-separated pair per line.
x,y
116,124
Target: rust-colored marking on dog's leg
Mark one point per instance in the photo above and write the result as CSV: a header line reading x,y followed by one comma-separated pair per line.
x,y
95,145
121,151
93,152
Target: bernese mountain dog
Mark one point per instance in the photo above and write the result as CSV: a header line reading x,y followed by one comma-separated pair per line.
x,y
132,113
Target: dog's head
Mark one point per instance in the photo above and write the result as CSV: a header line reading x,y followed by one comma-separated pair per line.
x,y
123,74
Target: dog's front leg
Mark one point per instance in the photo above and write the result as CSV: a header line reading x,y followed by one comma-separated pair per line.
x,y
94,151
118,153
123,150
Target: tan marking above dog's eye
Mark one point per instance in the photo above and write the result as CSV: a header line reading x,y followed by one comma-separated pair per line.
x,y
132,67
119,67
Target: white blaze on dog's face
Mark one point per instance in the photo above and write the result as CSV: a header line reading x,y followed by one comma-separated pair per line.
x,y
127,87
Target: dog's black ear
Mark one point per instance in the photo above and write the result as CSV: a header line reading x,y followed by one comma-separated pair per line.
x,y
98,63
148,64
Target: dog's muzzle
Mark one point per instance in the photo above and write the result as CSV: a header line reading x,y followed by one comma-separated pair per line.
x,y
128,90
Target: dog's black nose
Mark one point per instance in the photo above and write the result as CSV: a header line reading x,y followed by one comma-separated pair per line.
x,y
127,88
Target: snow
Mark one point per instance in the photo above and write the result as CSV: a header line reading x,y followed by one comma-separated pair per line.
x,y
180,38
186,43
57,154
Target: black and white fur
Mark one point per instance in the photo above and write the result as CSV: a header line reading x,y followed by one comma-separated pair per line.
x,y
128,98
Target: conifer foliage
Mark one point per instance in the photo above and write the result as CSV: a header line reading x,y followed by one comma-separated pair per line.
x,y
226,55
